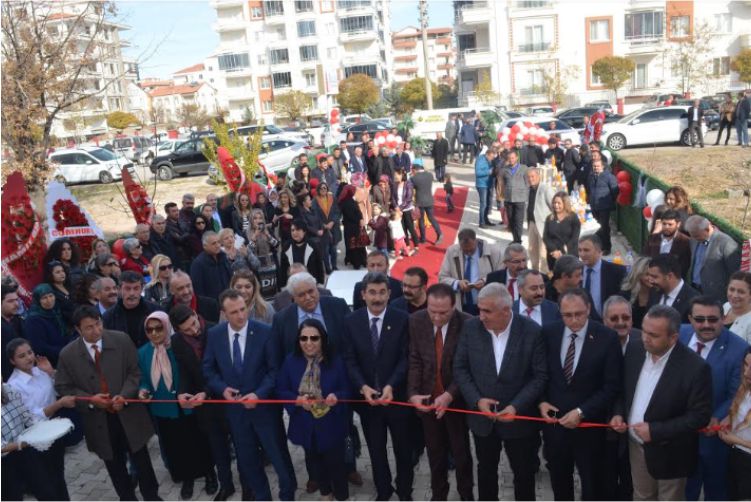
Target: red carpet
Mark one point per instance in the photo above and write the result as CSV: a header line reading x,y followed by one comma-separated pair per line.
x,y
430,256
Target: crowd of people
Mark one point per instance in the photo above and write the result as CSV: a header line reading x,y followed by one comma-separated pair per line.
x,y
227,301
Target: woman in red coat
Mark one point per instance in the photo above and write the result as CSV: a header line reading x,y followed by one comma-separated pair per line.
x,y
134,259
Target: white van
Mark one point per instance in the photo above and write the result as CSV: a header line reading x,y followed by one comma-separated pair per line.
x,y
429,122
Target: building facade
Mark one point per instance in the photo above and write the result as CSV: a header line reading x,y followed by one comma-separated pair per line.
x,y
519,46
270,47
167,101
407,54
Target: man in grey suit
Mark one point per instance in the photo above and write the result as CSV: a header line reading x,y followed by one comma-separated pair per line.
x,y
452,132
714,257
102,366
423,183
516,194
500,367
538,209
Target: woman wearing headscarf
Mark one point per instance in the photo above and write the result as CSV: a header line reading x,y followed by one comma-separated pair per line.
x,y
331,216
185,448
353,221
44,326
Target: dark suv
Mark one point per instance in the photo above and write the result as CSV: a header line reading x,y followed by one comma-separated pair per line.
x,y
575,116
370,127
187,158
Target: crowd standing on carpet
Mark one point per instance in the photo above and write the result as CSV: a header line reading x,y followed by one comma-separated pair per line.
x,y
226,301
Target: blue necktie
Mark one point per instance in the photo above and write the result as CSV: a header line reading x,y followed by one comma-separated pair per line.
x,y
374,333
468,300
237,356
588,280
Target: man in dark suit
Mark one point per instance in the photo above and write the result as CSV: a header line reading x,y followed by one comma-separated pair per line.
x,y
723,351
423,183
664,273
240,363
283,298
666,397
433,337
515,260
440,156
102,366
210,270
695,121
501,370
377,339
181,291
670,241
376,262
602,279
714,257
532,303
584,362
571,163
131,310
414,287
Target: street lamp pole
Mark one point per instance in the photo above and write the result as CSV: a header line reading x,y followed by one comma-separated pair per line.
x,y
424,29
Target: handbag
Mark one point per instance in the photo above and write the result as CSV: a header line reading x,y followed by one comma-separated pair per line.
x,y
359,241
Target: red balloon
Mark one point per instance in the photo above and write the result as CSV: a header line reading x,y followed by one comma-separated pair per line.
x,y
647,212
541,140
516,127
623,176
625,187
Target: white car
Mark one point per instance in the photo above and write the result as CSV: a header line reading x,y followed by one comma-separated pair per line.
x,y
273,132
87,164
561,128
541,111
662,124
162,148
276,155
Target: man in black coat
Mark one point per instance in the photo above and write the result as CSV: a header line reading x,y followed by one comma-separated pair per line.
x,y
181,292
571,163
161,241
602,279
376,342
179,238
131,310
440,155
376,262
666,398
531,154
555,151
500,368
423,183
664,273
12,324
211,270
584,363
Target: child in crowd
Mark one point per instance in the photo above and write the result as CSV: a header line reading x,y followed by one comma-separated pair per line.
x,y
448,187
397,235
380,226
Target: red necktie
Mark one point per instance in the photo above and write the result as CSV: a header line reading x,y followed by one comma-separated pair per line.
x,y
529,311
699,347
438,388
103,387
511,283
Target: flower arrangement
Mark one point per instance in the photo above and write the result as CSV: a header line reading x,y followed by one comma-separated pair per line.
x,y
66,214
138,200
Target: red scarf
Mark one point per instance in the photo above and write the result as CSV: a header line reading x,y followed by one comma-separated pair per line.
x,y
193,303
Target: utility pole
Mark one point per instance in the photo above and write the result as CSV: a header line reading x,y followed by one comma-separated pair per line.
x,y
424,29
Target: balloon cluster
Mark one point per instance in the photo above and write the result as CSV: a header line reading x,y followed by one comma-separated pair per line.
x,y
334,116
655,197
625,188
525,131
385,138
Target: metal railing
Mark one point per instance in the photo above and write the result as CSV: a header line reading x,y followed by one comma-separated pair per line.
x,y
534,47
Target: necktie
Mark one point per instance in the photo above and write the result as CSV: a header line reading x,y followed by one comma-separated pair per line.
x,y
568,363
588,280
468,300
529,311
374,333
665,299
438,389
237,356
511,283
699,347
104,388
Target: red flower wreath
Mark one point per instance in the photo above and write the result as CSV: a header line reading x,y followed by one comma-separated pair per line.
x,y
67,214
138,200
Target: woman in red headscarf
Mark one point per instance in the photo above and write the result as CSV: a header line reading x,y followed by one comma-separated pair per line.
x,y
354,228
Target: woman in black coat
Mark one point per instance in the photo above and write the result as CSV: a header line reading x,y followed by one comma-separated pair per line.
x,y
353,223
299,250
561,231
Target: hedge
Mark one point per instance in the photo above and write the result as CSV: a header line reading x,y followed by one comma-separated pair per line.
x,y
634,226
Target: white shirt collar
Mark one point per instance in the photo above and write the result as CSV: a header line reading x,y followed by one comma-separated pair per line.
x,y
675,291
579,334
707,345
242,331
379,316
505,332
523,306
661,361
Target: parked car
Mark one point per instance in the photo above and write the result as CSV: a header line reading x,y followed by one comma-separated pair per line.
x,y
162,148
661,124
187,158
541,111
276,155
387,121
575,116
370,127
514,114
133,148
358,118
659,99
711,116
561,128
604,104
272,132
87,164
715,101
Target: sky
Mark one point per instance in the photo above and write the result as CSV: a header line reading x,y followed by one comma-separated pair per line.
x,y
168,35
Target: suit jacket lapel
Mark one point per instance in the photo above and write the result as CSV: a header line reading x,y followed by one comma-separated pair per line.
x,y
665,379
587,348
385,330
514,339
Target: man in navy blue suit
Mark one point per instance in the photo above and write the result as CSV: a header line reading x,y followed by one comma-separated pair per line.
x,y
240,363
602,279
723,351
532,303
377,341
585,367
376,262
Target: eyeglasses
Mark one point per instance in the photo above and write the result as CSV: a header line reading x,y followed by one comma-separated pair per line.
x,y
155,329
162,268
312,338
703,319
517,262
615,318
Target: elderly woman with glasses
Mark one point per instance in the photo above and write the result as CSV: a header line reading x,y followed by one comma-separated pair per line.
x,y
134,259
317,380
161,273
106,265
186,449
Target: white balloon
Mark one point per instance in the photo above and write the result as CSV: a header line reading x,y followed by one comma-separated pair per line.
x,y
506,131
390,138
399,139
380,140
655,197
524,130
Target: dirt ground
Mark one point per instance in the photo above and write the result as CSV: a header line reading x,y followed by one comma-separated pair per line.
x,y
706,173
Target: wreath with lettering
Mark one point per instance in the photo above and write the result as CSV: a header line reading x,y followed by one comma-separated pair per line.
x,y
22,237
66,214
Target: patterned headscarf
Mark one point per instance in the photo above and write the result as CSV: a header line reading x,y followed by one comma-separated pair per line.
x,y
160,363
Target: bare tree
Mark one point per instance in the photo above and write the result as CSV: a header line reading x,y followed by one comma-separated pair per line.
x,y
691,58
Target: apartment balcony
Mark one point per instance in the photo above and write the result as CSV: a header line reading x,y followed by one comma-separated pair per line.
x,y
530,6
238,73
224,4
534,47
474,13
238,93
229,24
645,44
275,19
477,57
358,36
354,10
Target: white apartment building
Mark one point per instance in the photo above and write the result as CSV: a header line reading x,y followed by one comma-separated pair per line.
x,y
269,47
516,42
167,100
408,55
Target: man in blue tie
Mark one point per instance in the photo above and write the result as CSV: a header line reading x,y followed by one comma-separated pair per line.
x,y
240,364
602,279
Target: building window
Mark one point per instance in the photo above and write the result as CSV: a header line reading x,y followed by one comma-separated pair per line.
x,y
264,83
267,106
273,7
308,53
331,28
282,80
331,53
723,23
467,41
533,39
599,30
256,12
721,66
534,83
262,59
644,25
356,24
278,56
310,78
281,33
303,5
680,26
306,29
352,4
370,70
594,79
640,76
229,62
